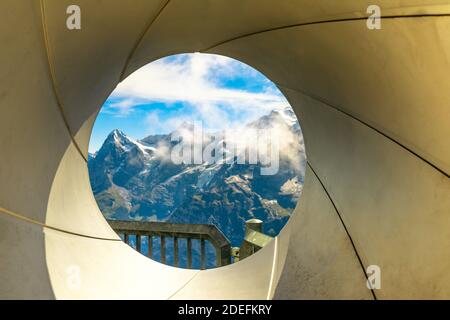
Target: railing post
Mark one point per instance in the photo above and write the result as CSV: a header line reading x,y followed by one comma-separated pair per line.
x,y
189,253
138,243
226,255
254,224
175,251
150,246
163,249
254,238
218,257
202,232
202,254
223,256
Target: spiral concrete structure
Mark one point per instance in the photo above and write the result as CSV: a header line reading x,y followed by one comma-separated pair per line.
x,y
374,106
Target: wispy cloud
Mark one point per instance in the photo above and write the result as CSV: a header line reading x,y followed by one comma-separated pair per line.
x,y
203,82
156,122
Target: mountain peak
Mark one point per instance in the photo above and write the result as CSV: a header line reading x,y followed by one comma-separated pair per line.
x,y
288,115
117,138
117,133
283,115
122,141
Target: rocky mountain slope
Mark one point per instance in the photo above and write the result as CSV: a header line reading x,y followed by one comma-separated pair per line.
x,y
136,179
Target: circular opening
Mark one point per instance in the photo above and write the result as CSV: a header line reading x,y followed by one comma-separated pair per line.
x,y
197,160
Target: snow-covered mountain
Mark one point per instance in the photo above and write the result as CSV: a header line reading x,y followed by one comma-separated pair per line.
x,y
136,179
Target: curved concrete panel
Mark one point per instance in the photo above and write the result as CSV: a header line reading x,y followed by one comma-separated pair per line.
x,y
374,108
107,270
89,63
323,269
393,204
374,75
23,270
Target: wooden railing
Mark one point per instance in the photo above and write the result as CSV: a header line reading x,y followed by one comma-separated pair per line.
x,y
176,231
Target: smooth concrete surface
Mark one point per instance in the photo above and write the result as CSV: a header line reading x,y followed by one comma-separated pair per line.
x,y
88,63
374,106
33,138
107,270
400,226
191,25
384,77
240,279
325,269
23,269
68,188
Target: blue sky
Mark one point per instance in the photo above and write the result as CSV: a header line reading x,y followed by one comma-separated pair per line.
x,y
219,91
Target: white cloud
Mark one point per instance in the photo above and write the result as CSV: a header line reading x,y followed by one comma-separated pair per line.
x,y
193,79
157,124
